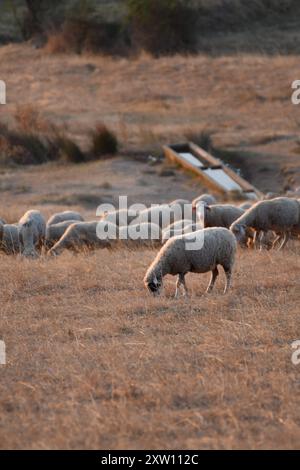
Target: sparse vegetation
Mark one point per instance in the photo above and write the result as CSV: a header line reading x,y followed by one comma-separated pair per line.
x,y
104,142
35,140
87,349
163,26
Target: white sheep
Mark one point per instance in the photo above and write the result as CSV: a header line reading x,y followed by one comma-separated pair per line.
x,y
219,248
9,239
161,215
64,216
220,215
55,231
180,202
207,198
144,234
179,228
32,230
281,215
121,218
81,235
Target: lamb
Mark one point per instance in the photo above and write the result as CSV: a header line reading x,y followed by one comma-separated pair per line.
x,y
220,215
207,198
281,215
219,248
55,231
161,215
144,234
32,230
9,239
64,216
84,235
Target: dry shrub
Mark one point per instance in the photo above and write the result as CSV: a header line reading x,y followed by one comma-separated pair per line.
x,y
104,142
69,151
163,26
79,35
34,141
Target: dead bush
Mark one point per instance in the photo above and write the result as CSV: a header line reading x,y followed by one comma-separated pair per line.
x,y
103,142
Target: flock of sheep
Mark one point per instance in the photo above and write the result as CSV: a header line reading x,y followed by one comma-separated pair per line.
x,y
264,224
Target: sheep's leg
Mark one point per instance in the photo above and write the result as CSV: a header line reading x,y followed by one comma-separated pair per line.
x,y
261,237
277,239
180,281
286,238
255,238
186,293
228,273
214,275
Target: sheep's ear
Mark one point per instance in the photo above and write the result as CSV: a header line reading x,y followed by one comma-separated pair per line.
x,y
206,206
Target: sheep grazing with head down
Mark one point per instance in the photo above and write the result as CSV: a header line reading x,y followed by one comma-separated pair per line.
x,y
64,216
220,215
55,232
144,234
281,215
179,228
162,215
80,235
9,239
182,203
183,254
120,218
32,230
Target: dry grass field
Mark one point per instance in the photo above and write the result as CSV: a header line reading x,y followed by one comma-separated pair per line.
x,y
95,362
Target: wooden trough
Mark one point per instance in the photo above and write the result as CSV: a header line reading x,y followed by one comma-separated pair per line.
x,y
212,171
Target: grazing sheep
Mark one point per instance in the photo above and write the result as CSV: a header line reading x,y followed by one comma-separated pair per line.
x,y
144,234
161,215
55,231
121,217
81,235
207,198
64,216
179,228
9,239
219,248
281,215
180,202
32,230
220,215
179,225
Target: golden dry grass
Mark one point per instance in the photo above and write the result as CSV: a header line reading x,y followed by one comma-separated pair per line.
x,y
95,362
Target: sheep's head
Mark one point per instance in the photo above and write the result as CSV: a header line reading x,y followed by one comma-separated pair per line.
x,y
153,284
240,233
201,210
